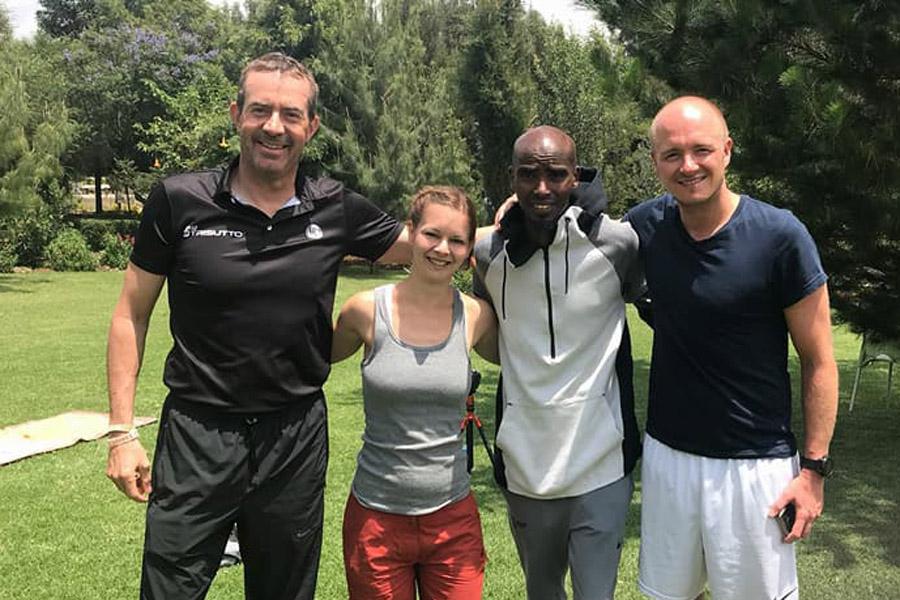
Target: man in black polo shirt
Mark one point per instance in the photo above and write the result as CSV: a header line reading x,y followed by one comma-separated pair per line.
x,y
251,255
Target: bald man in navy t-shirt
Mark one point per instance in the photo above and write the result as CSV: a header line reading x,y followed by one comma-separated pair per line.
x,y
729,279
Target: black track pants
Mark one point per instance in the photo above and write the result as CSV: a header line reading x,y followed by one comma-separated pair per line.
x,y
265,472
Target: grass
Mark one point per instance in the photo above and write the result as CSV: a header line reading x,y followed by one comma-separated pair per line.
x,y
66,533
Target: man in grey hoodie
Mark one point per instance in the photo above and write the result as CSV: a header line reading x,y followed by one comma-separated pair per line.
x,y
558,273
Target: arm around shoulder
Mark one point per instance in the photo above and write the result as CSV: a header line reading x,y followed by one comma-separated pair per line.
x,y
354,326
400,252
635,285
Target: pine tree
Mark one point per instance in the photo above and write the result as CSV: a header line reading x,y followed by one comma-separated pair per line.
x,y
810,92
34,132
497,89
390,122
585,89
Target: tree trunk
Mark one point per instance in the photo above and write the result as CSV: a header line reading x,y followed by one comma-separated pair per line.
x,y
98,194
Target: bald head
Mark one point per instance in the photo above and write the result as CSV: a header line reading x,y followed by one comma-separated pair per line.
x,y
692,110
543,175
691,153
545,140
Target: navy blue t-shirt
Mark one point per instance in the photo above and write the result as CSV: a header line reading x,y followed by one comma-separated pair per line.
x,y
719,384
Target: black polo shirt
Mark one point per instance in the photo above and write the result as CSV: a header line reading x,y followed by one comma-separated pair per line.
x,y
251,296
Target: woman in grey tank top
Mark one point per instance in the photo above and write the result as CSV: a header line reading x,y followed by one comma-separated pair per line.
x,y
411,520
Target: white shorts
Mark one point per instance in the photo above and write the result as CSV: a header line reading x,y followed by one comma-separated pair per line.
x,y
705,521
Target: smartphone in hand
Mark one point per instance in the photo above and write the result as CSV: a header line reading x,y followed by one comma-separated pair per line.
x,y
786,518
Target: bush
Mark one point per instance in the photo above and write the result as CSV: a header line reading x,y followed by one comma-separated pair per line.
x,y
116,251
30,234
462,280
94,232
69,252
8,257
96,229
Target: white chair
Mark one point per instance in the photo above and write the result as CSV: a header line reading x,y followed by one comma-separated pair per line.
x,y
874,352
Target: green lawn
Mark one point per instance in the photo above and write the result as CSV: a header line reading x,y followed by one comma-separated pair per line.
x,y
66,533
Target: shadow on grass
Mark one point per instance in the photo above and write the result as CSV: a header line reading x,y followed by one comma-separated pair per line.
x,y
862,511
862,507
19,284
861,499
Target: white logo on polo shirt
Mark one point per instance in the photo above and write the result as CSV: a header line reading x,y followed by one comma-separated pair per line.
x,y
314,232
194,231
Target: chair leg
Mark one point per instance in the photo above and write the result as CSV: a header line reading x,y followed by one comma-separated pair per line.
x,y
855,387
887,396
859,366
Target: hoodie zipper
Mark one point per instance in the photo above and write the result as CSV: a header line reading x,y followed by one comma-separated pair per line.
x,y
549,302
503,293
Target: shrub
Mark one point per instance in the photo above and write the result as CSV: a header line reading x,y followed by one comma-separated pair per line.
x,y
69,251
95,230
8,257
116,251
462,280
30,234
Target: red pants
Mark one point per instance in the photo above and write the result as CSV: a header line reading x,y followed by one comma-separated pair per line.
x,y
387,555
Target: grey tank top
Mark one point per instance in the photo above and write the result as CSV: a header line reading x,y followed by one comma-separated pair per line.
x,y
413,460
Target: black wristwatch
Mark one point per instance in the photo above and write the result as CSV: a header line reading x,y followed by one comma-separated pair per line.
x,y
823,466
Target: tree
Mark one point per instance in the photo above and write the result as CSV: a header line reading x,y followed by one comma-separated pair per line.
x,y
419,137
70,18
810,92
66,18
118,77
497,90
34,132
389,120
289,26
586,88
5,26
194,129
347,33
